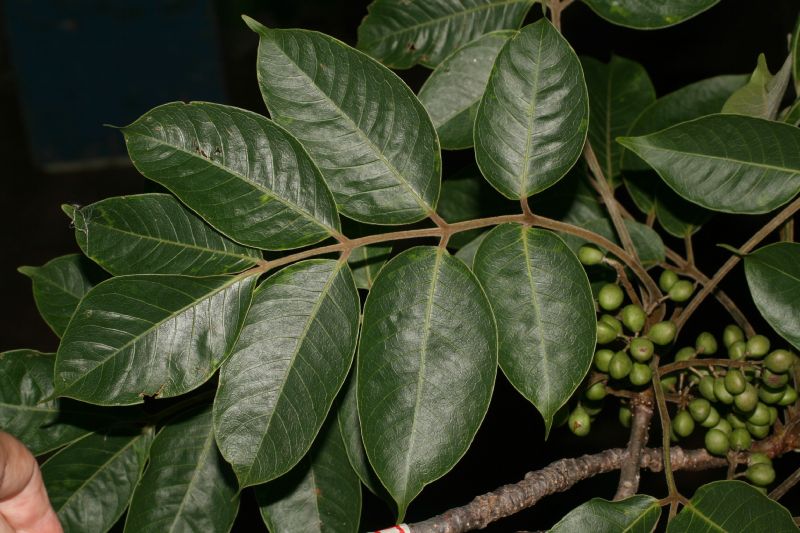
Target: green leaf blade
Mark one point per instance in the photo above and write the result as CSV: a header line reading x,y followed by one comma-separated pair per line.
x,y
320,494
732,506
648,14
155,234
90,482
150,335
243,174
376,146
58,286
773,276
291,358
427,357
452,93
545,313
401,34
728,163
637,514
187,486
763,93
532,120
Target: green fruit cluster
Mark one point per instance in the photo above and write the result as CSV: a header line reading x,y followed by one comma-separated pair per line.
x,y
679,290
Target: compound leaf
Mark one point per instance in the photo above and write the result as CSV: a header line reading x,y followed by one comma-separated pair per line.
x,y
292,357
370,136
728,163
532,120
241,172
426,367
155,234
401,34
149,335
773,275
545,313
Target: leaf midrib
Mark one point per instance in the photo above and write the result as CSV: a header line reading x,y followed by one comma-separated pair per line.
x,y
200,460
523,178
536,307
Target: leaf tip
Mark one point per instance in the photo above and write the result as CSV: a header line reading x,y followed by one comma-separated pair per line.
x,y
732,249
26,270
69,210
253,24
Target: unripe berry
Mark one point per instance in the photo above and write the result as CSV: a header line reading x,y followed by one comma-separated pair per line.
x,y
681,291
605,333
579,422
731,334
706,388
771,379
610,296
706,344
641,374
737,351
747,400
721,392
740,439
641,349
770,395
789,397
735,421
625,416
723,426
717,442
613,322
779,361
596,392
634,317
602,358
759,416
685,353
699,408
667,279
683,424
773,414
662,333
759,458
757,346
668,383
620,365
712,419
734,381
590,255
760,474
758,432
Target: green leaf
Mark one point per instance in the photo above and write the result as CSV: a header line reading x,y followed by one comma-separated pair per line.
x,y
732,506
58,286
401,34
366,262
795,55
426,367
370,136
637,514
321,494
292,357
90,482
618,93
242,173
677,216
27,409
532,120
762,95
155,234
468,251
187,486
791,115
773,275
150,335
648,14
545,313
695,100
728,163
350,427
451,94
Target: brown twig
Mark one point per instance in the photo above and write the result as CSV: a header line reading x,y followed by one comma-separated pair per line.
x,y
785,486
556,7
623,278
630,471
680,365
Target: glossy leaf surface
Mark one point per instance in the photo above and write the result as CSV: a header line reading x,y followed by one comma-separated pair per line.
x,y
426,367
243,174
677,216
618,92
155,234
90,482
637,514
187,486
729,163
26,383
545,313
648,14
773,275
763,93
401,34
321,494
695,100
370,136
365,263
732,506
533,118
291,358
451,94
58,286
150,335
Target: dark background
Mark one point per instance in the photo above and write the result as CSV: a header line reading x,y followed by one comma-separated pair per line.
x,y
724,40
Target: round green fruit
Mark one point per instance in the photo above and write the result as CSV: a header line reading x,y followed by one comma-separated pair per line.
x,y
770,395
789,397
683,424
605,333
590,255
667,279
734,381
717,442
641,349
732,333
620,365
699,408
579,422
737,351
613,322
723,426
685,353
706,344
747,400
735,421
779,361
681,291
760,474
706,388
759,416
740,439
625,416
721,392
601,359
712,419
759,458
773,379
668,383
610,296
641,374
757,346
634,317
758,432
596,392
662,333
